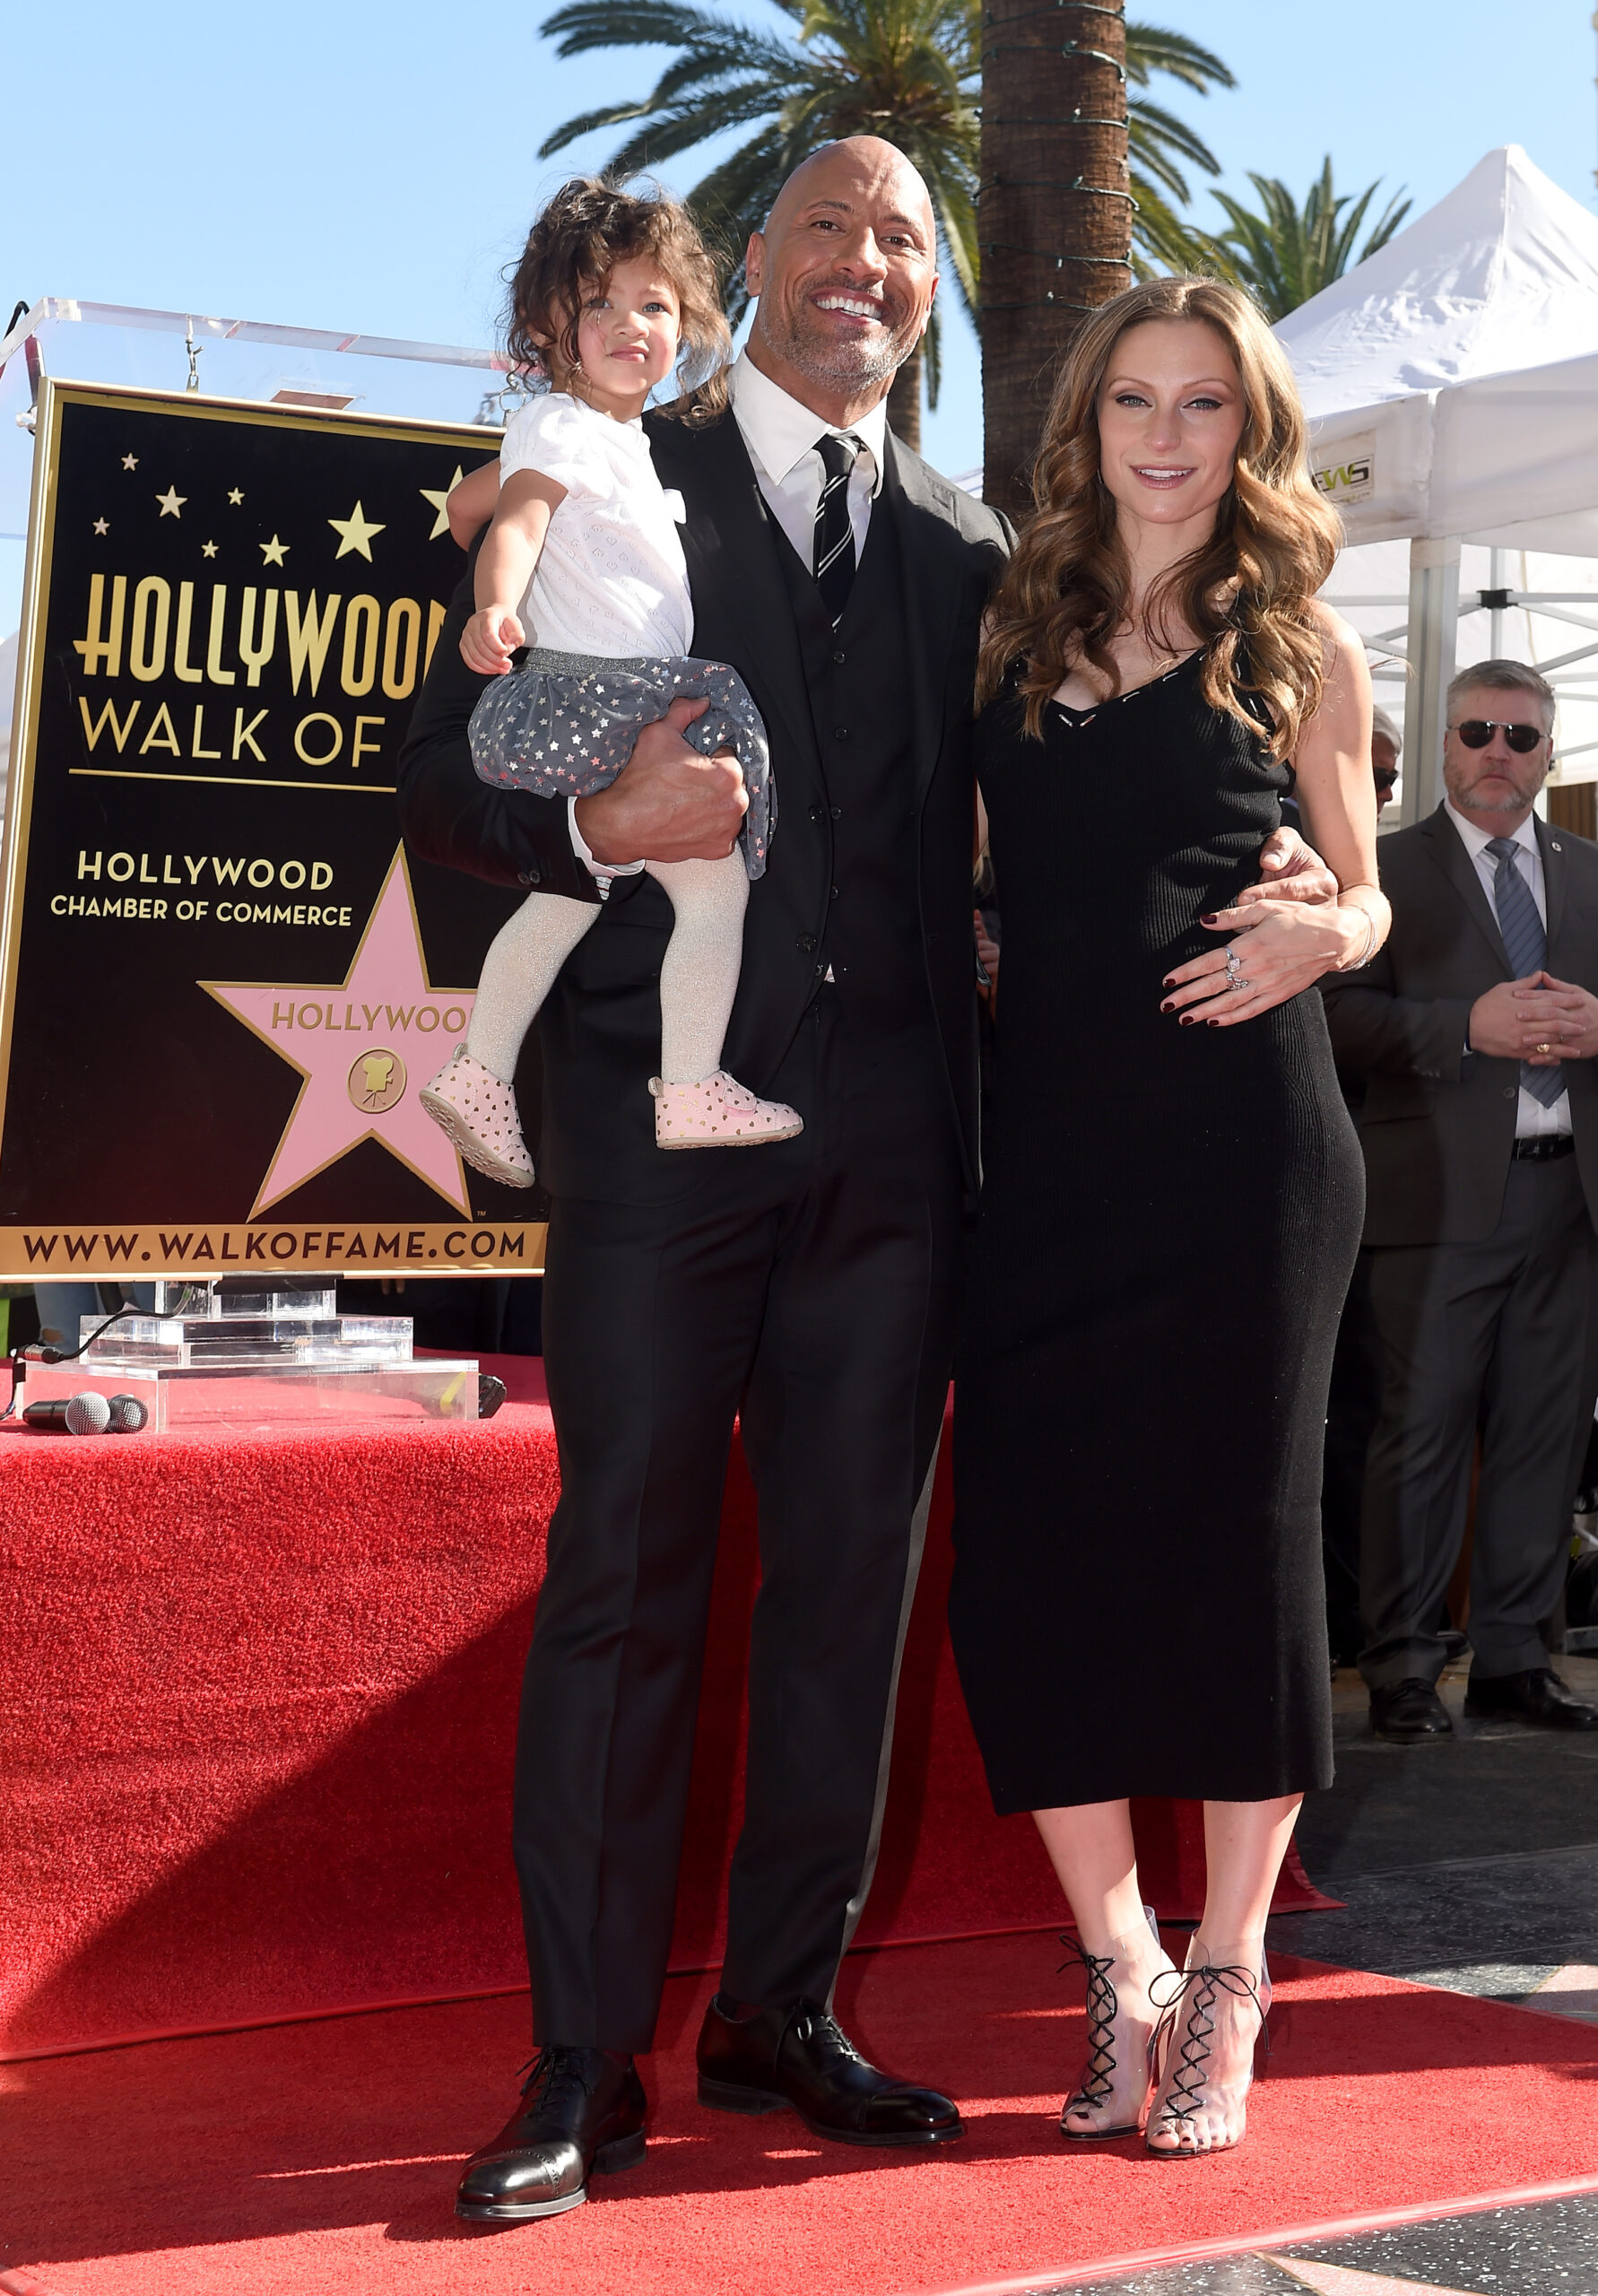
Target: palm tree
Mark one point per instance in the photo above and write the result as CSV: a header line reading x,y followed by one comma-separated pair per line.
x,y
1283,254
1057,213
907,70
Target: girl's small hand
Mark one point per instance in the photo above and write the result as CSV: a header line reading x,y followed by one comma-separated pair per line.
x,y
490,639
1277,948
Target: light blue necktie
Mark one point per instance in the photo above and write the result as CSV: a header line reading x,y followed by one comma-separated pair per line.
x,y
1525,944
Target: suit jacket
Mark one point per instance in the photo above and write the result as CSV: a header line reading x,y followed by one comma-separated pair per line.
x,y
600,1028
1438,1123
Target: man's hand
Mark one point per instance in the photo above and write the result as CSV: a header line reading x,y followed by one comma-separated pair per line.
x,y
1290,870
1561,1015
987,957
490,639
1540,1020
668,803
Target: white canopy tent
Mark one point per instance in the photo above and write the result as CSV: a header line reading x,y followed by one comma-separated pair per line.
x,y
1452,385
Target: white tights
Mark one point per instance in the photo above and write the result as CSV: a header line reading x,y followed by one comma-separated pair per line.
x,y
698,975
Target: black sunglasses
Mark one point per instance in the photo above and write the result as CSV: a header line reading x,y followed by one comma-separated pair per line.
x,y
1476,733
1385,781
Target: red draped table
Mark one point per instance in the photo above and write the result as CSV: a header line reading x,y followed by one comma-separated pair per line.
x,y
259,1701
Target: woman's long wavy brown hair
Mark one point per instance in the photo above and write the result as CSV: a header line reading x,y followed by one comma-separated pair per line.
x,y
1245,593
589,227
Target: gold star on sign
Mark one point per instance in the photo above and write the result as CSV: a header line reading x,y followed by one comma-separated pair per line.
x,y
274,553
102,525
130,462
439,497
171,503
357,531
234,496
208,550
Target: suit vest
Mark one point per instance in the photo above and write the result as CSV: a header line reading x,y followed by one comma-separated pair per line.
x,y
857,680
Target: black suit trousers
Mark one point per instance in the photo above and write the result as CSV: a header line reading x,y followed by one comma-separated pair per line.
x,y
811,1285
1495,1336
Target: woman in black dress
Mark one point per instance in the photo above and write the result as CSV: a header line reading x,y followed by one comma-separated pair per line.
x,y
1174,1193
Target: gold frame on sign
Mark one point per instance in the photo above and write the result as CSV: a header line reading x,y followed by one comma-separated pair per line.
x,y
98,1259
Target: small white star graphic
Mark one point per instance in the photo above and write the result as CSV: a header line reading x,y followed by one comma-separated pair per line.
x,y
130,462
102,525
234,496
171,503
357,531
208,550
439,496
274,553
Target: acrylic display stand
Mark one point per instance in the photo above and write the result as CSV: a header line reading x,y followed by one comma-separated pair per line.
x,y
223,1356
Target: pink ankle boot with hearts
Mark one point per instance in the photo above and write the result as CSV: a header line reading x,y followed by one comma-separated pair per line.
x,y
718,1113
478,1111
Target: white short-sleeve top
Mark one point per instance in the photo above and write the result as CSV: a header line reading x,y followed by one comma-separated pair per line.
x,y
611,579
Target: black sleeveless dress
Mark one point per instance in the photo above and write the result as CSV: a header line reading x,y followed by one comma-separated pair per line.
x,y
1169,1220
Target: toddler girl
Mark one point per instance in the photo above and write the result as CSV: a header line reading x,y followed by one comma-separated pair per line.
x,y
584,560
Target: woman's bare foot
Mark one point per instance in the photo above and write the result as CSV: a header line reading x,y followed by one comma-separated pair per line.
x,y
1213,2016
1110,2099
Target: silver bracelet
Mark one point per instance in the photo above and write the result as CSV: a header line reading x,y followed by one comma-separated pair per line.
x,y
1369,950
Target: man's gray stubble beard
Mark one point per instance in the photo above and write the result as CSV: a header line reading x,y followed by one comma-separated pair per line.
x,y
1480,805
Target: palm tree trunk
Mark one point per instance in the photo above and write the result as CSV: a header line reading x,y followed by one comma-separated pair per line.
x,y
1055,220
904,403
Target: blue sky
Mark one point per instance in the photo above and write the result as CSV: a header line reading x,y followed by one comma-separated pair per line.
x,y
341,165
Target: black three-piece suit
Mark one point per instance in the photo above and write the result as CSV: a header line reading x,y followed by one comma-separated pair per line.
x,y
809,1285
1480,1263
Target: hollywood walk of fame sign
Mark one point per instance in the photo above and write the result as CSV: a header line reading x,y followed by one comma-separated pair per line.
x,y
222,983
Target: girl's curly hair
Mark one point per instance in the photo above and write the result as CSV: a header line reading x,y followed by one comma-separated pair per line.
x,y
589,227
1246,593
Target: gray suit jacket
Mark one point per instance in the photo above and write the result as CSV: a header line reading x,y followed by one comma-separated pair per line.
x,y
1437,1124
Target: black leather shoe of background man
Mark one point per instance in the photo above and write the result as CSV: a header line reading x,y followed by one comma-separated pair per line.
x,y
799,2057
1537,1696
582,2114
1408,1711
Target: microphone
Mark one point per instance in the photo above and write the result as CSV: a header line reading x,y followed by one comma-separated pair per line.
x,y
87,1413
83,1415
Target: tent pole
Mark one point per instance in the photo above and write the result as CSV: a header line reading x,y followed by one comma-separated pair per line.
x,y
1434,631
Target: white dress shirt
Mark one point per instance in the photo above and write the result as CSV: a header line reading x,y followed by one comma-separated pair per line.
x,y
783,438
1531,1119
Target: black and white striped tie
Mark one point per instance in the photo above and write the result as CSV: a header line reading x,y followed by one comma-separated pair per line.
x,y
834,559
1525,944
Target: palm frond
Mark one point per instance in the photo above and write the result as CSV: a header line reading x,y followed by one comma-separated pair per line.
x,y
1149,124
678,127
1149,49
587,24
586,122
1284,252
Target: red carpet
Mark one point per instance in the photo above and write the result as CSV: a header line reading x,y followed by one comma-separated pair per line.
x,y
322,2156
260,1704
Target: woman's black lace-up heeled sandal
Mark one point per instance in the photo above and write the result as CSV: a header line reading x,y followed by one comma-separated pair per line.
x,y
1109,2044
1186,2086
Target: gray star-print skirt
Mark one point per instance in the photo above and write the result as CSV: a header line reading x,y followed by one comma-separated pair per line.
x,y
564,725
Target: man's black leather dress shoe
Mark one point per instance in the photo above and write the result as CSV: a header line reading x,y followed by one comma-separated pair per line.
x,y
1408,1711
1536,1696
799,2057
582,2115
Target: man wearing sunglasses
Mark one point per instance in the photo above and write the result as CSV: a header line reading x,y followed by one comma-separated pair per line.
x,y
1476,1030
